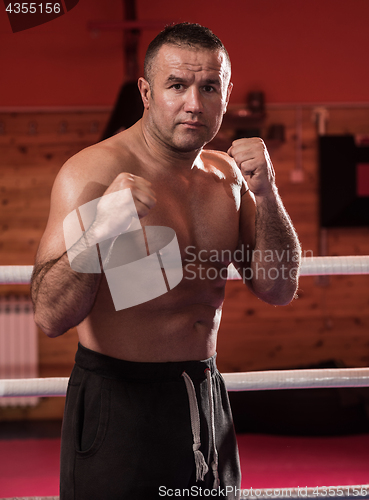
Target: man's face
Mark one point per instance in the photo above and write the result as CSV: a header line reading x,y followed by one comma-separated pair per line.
x,y
188,96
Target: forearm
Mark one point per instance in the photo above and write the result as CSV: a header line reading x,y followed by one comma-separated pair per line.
x,y
61,297
63,290
277,253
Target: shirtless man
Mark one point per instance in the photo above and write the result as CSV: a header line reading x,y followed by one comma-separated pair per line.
x,y
147,412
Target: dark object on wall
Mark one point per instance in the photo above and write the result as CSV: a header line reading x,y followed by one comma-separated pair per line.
x,y
128,107
344,182
276,132
246,133
254,114
256,102
302,412
127,110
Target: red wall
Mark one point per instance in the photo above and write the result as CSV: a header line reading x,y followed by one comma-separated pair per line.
x,y
293,50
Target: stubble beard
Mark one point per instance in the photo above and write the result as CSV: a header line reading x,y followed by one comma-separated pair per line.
x,y
191,140
184,141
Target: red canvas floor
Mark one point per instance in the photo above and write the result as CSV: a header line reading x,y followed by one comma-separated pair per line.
x,y
284,461
31,467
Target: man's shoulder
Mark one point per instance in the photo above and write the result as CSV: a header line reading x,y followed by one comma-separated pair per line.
x,y
87,174
224,163
101,162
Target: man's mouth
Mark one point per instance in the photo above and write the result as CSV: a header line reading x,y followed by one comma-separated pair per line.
x,y
193,125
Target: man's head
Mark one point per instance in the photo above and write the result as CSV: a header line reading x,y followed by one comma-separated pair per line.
x,y
186,87
186,35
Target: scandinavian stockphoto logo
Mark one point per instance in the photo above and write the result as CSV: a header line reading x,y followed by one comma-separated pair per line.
x,y
140,264
26,15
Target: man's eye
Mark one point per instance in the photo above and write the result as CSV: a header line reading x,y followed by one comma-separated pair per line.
x,y
177,86
209,88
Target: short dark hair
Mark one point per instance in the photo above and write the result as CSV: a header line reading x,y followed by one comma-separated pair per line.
x,y
190,34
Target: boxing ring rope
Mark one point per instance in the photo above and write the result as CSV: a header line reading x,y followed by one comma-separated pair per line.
x,y
310,266
248,381
319,266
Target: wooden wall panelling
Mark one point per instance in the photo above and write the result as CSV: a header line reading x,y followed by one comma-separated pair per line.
x,y
325,323
329,320
29,163
34,146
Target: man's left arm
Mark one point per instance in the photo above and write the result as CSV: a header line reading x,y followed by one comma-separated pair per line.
x,y
271,268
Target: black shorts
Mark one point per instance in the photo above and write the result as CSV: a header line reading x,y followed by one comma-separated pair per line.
x,y
127,431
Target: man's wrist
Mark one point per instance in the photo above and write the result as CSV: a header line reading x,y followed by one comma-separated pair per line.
x,y
268,195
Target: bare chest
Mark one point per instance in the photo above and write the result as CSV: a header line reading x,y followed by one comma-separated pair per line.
x,y
205,217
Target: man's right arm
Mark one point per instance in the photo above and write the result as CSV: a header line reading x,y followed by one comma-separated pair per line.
x,y
63,297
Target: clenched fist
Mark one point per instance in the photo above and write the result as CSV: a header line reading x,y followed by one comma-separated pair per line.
x,y
115,214
143,195
252,158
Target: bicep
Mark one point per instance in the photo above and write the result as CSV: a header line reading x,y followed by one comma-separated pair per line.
x,y
52,244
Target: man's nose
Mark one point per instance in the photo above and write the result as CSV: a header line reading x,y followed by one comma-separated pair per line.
x,y
193,101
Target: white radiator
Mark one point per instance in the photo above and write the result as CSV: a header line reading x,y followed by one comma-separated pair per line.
x,y
18,345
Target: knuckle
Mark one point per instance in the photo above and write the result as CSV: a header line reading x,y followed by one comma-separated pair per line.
x,y
122,175
125,177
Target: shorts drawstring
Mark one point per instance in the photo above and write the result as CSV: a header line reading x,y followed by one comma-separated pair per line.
x,y
214,464
201,465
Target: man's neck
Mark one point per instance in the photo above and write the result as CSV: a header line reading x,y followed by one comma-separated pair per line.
x,y
167,157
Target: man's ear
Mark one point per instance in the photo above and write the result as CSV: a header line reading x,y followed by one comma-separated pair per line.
x,y
229,91
144,88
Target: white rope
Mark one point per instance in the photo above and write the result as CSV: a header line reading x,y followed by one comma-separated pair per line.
x,y
297,379
15,275
318,266
247,381
310,266
39,387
